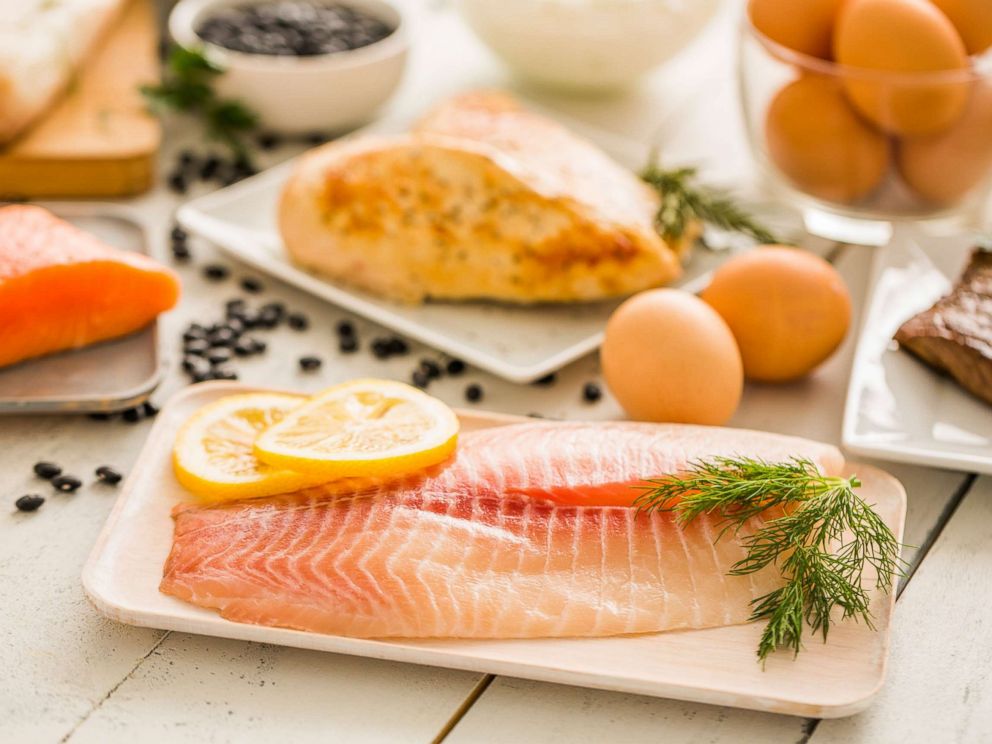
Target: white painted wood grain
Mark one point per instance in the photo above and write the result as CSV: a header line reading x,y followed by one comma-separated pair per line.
x,y
940,687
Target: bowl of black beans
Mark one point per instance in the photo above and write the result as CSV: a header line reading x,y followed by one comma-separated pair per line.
x,y
302,65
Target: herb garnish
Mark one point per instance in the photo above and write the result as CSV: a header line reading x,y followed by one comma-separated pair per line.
x,y
187,87
822,542
683,202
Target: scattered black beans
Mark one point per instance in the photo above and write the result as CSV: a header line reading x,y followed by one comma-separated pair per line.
x,y
108,475
149,409
178,235
66,483
223,336
29,502
397,346
345,328
298,321
547,380
455,367
219,355
197,347
216,272
131,415
194,333
211,165
310,363
250,284
47,470
473,393
276,309
195,365
591,392
348,345
380,348
236,326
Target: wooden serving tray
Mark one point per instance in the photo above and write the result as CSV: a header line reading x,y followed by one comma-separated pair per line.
x,y
715,666
98,140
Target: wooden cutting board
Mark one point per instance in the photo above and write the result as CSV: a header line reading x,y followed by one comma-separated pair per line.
x,y
715,666
98,139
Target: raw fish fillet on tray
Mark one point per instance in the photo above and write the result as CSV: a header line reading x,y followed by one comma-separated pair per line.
x,y
527,532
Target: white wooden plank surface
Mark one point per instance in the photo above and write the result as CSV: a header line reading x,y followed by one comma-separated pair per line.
x,y
941,688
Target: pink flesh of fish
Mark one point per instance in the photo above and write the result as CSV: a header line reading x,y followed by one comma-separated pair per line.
x,y
477,550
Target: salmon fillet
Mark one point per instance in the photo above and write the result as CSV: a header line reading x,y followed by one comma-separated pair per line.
x,y
500,543
62,288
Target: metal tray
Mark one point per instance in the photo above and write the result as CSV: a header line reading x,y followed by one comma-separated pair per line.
x,y
105,377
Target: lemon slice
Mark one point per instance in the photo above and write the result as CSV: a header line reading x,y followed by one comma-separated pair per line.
x,y
213,454
362,428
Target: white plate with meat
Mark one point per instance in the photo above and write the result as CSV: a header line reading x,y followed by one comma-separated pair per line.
x,y
898,407
496,307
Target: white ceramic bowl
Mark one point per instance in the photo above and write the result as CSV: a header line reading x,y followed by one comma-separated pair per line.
x,y
320,93
587,44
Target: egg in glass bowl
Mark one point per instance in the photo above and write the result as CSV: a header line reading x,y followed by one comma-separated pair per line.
x,y
866,112
587,45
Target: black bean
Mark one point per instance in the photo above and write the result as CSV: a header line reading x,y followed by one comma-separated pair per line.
x,y
101,416
216,272
234,306
108,475
420,379
315,138
298,321
194,333
250,284
473,393
455,367
149,409
66,483
236,326
268,140
177,183
591,392
348,344
251,318
222,337
397,346
430,368
219,355
47,470
186,158
244,347
278,309
380,348
547,380
178,235
345,328
29,502
310,363
210,167
221,373
181,253
197,347
131,415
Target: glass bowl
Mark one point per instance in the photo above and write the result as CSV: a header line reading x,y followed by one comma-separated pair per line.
x,y
857,149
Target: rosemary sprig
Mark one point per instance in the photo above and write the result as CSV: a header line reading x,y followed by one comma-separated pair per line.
x,y
822,539
683,202
187,86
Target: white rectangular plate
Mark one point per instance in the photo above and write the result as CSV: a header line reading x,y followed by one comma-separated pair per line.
x,y
897,407
713,666
517,343
108,376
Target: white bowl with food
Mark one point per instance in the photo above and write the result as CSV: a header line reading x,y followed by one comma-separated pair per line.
x,y
301,65
587,44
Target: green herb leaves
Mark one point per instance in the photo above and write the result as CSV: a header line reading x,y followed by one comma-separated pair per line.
x,y
819,533
187,86
683,203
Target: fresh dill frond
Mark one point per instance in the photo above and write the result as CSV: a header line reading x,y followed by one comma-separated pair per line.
x,y
817,531
187,86
684,202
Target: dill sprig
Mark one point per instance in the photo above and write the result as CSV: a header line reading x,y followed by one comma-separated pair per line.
x,y
822,538
187,86
684,202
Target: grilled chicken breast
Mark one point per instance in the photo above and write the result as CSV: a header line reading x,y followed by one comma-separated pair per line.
x,y
482,200
42,44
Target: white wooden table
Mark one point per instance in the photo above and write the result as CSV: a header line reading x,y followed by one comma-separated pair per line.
x,y
66,674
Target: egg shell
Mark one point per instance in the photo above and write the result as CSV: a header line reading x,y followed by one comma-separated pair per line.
x,y
972,19
821,145
788,309
805,26
901,36
944,168
668,356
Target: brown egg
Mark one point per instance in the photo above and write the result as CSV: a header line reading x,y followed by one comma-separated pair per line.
x,y
667,356
805,26
972,19
901,36
788,309
821,145
943,168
